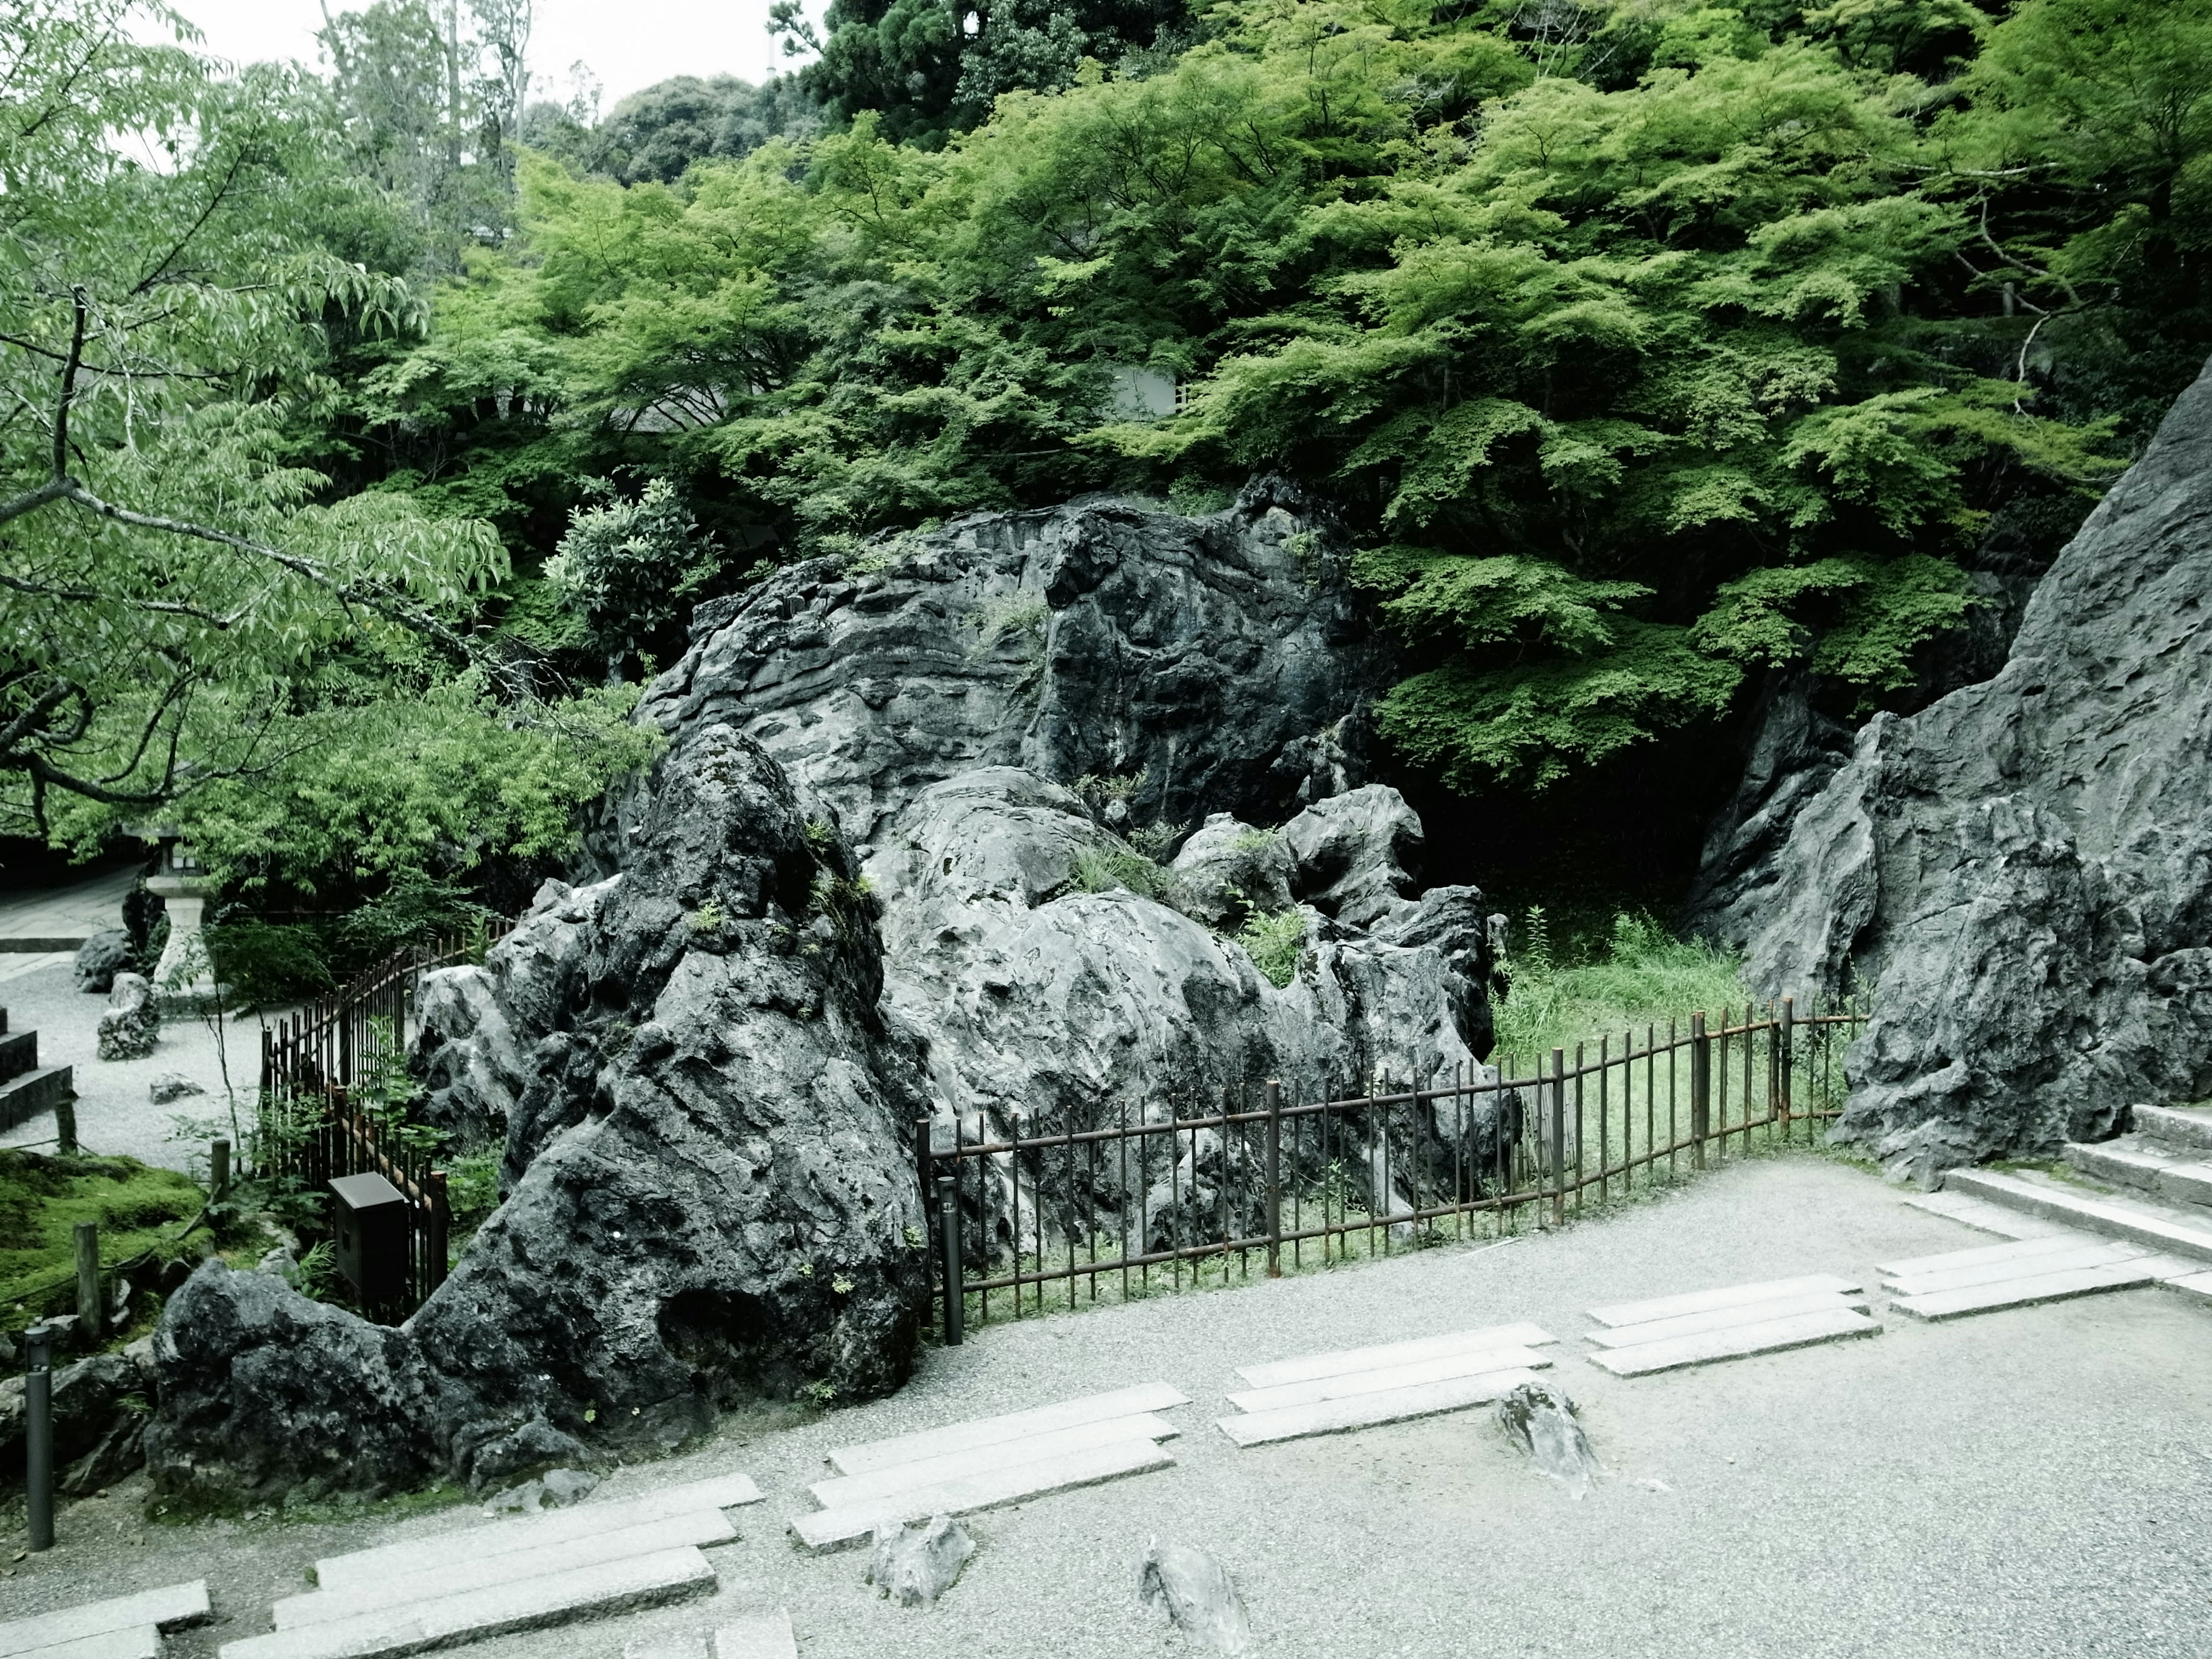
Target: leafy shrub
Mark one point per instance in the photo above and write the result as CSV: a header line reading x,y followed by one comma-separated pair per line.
x,y
1275,943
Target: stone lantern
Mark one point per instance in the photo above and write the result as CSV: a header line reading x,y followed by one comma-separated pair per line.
x,y
184,982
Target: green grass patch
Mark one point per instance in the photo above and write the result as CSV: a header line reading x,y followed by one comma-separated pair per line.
x,y
137,1207
1638,974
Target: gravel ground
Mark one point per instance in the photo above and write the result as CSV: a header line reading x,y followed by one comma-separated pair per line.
x,y
113,1112
2035,1482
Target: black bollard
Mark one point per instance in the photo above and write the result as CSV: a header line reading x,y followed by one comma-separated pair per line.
x,y
39,1433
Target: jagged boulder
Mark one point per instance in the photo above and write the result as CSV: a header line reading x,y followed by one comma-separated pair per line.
x,y
707,1169
131,1026
1229,870
1350,853
2020,876
101,958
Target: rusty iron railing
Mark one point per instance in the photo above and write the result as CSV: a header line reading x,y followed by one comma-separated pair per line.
x,y
1111,1206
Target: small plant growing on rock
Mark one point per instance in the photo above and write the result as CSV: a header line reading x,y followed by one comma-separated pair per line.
x,y
707,917
1275,943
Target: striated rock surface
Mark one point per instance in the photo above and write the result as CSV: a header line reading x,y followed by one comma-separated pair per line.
x,y
2021,875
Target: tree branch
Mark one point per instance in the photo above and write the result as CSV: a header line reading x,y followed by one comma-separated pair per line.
x,y
68,381
87,596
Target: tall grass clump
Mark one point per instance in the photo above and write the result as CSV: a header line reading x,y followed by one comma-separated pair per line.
x,y
1640,976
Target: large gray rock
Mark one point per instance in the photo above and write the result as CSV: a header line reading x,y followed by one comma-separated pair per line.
x,y
1229,870
707,1169
2021,875
99,1407
131,1027
1350,853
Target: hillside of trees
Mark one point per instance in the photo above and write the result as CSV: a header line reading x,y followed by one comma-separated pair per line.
x,y
370,432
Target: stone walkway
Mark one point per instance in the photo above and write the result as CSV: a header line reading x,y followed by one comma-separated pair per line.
x,y
1955,1489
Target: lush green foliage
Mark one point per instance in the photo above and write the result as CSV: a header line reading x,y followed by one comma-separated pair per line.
x,y
42,1199
202,621
1637,974
1645,346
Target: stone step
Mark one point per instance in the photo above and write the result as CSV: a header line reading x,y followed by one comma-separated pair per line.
x,y
2186,1128
165,1609
484,1543
847,1491
2091,1252
1729,1296
2056,1239
1722,1319
455,1577
1736,1342
1981,1215
1307,1367
2023,1289
1368,1410
830,1529
1385,1378
636,1580
1014,1426
19,1053
2137,1220
22,1098
2150,1166
2195,1287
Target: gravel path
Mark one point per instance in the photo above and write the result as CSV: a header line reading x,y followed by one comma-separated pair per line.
x,y
2030,1483
114,1111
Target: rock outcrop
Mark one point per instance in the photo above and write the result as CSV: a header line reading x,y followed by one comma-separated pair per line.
x,y
2020,876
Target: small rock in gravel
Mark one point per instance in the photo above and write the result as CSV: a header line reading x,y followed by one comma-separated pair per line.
x,y
171,1085
101,958
1199,1600
131,1025
915,1566
554,1490
1540,1418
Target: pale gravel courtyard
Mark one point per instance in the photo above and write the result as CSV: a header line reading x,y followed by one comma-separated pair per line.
x,y
2028,1483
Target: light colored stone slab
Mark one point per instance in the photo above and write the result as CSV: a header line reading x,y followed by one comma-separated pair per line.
x,y
2094,1253
2199,1285
141,1642
483,1543
637,1581
1307,1367
829,1528
877,1485
1448,1369
2177,1126
2020,1249
1799,1331
1720,1319
456,1577
1015,1425
1727,1295
2140,1224
165,1608
1368,1410
1981,1215
771,1638
2020,1292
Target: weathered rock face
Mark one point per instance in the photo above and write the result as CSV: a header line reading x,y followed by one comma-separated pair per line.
x,y
1223,658
2021,875
709,1140
101,958
132,1024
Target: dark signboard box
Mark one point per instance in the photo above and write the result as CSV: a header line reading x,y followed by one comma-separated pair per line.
x,y
371,1214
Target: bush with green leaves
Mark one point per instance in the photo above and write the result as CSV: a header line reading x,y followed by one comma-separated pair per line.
x,y
1274,943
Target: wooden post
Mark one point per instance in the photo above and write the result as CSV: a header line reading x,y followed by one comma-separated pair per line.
x,y
1788,1042
1701,1088
1274,1179
440,1225
65,1126
218,1168
1559,1137
91,1317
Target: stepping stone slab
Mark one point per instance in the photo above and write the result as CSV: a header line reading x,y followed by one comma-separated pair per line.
x,y
1731,1295
638,1580
2035,1287
1772,1336
434,1583
2194,1284
1981,1215
2139,1223
2095,1253
2020,1249
1722,1319
757,1638
1307,1367
483,1543
159,1609
1480,1363
879,1485
1015,1425
827,1528
1366,1410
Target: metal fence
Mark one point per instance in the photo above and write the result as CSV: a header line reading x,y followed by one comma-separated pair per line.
x,y
1110,1208
332,1100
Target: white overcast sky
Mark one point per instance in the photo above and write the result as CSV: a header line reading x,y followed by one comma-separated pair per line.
x,y
628,44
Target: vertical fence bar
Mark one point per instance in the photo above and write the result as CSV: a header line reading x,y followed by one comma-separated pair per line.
x,y
441,1220
1604,1103
948,1227
1559,1137
1701,1086
91,1317
1581,1136
1786,1037
1274,1178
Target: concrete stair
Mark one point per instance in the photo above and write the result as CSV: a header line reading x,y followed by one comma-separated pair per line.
x,y
26,1087
2152,1188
